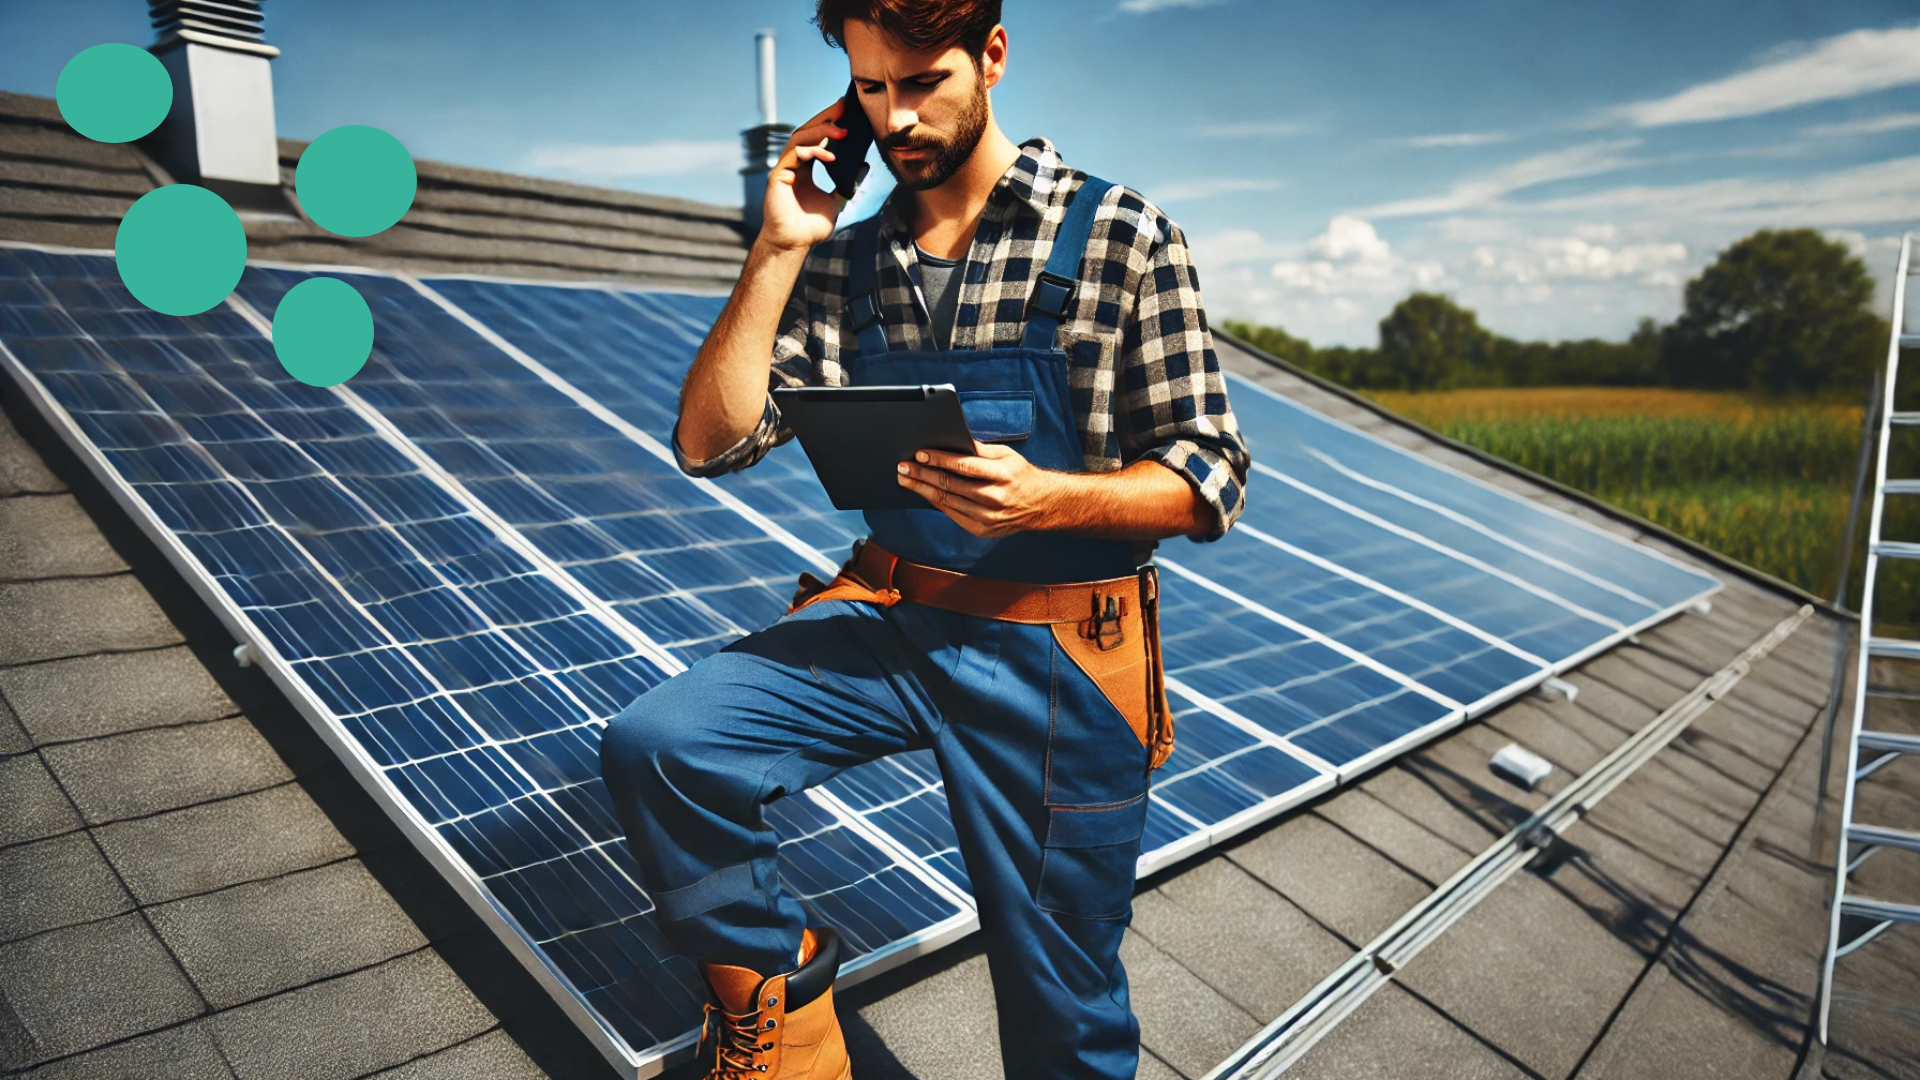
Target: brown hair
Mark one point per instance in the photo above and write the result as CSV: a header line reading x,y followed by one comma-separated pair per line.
x,y
915,24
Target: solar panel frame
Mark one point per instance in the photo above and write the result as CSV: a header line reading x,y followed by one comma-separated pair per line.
x,y
1178,833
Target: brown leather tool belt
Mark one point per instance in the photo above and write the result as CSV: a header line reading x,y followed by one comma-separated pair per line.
x,y
1110,628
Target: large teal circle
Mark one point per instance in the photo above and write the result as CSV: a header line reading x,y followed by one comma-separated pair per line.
x,y
114,93
323,331
355,180
180,249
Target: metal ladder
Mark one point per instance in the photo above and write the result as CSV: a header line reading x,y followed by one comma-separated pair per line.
x,y
1858,841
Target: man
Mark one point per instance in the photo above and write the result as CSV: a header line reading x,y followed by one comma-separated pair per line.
x,y
1010,627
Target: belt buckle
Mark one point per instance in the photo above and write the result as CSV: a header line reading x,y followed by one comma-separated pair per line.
x,y
1104,628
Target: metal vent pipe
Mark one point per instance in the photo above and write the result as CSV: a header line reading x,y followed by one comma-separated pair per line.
x,y
763,141
763,47
220,133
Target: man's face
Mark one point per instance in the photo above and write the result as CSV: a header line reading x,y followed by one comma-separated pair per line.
x,y
928,108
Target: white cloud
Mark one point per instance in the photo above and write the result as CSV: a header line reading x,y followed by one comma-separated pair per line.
x,y
1587,159
1883,191
1207,188
1566,266
1546,258
1845,66
1255,129
1142,7
1353,257
1460,138
618,161
1873,125
1351,238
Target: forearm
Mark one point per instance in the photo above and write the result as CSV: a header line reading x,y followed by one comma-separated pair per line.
x,y
1144,501
725,390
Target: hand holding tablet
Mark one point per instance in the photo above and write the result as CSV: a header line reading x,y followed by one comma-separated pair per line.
x,y
855,436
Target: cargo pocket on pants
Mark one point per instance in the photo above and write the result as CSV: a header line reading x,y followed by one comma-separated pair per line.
x,y
1088,857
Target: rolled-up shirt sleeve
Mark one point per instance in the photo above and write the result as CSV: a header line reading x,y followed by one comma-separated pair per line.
x,y
1172,391
791,367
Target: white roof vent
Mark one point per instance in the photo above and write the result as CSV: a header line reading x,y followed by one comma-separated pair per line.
x,y
220,133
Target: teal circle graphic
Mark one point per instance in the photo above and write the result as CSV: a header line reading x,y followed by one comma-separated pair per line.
x,y
323,331
355,180
180,249
114,93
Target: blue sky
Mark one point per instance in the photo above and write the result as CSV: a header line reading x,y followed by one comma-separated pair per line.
x,y
1561,168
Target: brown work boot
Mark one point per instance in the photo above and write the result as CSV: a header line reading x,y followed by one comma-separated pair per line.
x,y
778,1027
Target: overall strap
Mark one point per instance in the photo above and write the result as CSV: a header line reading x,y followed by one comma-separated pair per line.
x,y
1052,294
863,295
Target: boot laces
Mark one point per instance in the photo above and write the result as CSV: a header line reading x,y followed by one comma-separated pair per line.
x,y
737,1040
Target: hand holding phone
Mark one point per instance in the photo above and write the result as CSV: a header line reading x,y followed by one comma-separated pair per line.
x,y
797,213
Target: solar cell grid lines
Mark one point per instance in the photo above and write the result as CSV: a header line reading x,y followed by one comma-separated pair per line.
x,y
465,560
627,351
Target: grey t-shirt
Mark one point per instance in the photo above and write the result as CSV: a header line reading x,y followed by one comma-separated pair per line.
x,y
941,282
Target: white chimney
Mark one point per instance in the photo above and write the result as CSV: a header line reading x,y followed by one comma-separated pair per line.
x,y
764,141
220,132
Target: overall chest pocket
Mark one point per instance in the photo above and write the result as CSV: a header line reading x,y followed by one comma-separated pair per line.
x,y
998,415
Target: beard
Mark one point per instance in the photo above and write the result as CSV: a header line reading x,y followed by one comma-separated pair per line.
x,y
947,157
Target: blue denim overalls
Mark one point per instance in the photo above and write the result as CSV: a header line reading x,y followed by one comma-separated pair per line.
x,y
1046,779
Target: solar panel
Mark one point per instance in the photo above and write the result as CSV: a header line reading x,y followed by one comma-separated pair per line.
x,y
1629,583
466,559
443,656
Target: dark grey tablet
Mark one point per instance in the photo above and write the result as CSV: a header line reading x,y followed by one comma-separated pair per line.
x,y
855,435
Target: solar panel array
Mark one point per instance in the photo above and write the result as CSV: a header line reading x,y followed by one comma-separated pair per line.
x,y
464,561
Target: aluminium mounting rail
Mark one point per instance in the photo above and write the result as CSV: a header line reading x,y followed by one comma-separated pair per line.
x,y
1284,1042
1858,840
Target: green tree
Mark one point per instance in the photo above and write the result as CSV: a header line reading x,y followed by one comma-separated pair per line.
x,y
1783,311
1274,342
1440,344
1428,342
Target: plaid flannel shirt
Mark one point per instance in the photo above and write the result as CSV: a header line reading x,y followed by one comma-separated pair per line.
x,y
1142,372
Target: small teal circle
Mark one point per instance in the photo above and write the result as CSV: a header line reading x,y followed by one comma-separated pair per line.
x,y
114,93
355,180
323,331
180,249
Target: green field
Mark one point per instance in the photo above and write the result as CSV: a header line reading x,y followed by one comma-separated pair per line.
x,y
1764,481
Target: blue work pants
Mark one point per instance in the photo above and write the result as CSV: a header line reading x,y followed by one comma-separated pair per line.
x,y
1046,780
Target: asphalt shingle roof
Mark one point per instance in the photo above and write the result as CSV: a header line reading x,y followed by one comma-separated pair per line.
x,y
172,902
59,188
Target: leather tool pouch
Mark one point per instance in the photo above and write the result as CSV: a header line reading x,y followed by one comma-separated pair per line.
x,y
1118,646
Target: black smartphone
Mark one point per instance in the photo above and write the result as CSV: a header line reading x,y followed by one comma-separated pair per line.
x,y
849,165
